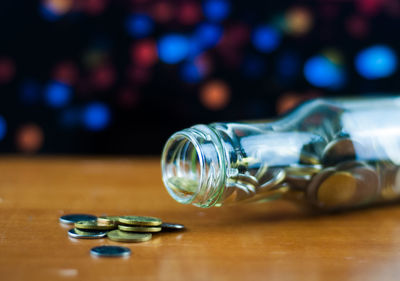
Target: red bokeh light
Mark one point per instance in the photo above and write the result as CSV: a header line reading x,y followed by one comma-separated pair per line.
x,y
162,11
144,53
103,77
66,72
189,13
7,70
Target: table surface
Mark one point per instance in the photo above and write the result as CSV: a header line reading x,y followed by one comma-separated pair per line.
x,y
269,241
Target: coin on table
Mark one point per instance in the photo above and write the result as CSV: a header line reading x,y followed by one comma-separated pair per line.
x,y
108,219
337,190
73,218
139,220
93,225
121,236
146,229
74,233
338,150
167,226
110,251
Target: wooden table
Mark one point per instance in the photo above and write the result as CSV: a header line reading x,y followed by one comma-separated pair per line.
x,y
270,241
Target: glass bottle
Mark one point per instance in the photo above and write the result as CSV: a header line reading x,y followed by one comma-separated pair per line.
x,y
333,154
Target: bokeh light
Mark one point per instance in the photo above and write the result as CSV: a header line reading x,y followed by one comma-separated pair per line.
x,y
144,53
57,94
3,128
189,13
215,95
289,100
103,77
322,72
30,91
357,26
376,62
29,138
162,11
265,38
299,21
216,10
173,48
94,7
7,70
96,116
52,10
207,35
66,72
288,64
139,25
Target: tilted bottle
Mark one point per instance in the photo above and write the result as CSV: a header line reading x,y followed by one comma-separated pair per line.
x,y
333,154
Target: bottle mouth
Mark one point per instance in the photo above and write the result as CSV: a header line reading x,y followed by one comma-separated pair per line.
x,y
193,166
182,167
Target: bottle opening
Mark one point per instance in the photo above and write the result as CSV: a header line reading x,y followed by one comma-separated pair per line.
x,y
182,167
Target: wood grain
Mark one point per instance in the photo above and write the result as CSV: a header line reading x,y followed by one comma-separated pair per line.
x,y
270,241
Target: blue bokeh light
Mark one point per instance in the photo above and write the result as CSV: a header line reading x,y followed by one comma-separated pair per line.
x,y
29,91
3,127
191,73
139,25
207,35
376,62
216,10
322,72
57,94
96,116
288,64
48,14
173,48
265,38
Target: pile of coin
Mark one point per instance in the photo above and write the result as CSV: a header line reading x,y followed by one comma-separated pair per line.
x,y
126,229
332,179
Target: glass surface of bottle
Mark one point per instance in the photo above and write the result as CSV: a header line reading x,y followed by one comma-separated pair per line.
x,y
333,154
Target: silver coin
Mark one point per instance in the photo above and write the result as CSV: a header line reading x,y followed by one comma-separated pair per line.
x,y
73,218
167,226
88,235
110,251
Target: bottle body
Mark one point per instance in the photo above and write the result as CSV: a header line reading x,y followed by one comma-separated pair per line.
x,y
332,154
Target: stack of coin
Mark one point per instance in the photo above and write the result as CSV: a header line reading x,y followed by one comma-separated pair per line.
x,y
116,228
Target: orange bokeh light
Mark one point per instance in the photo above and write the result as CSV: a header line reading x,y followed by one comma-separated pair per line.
x,y
215,95
29,138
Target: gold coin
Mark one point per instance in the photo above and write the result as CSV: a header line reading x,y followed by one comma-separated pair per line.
x,y
120,236
131,228
337,189
108,219
93,225
183,185
138,220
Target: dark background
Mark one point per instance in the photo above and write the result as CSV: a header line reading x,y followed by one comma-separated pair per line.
x,y
119,77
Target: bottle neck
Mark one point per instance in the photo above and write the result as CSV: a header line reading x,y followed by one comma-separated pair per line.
x,y
194,166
